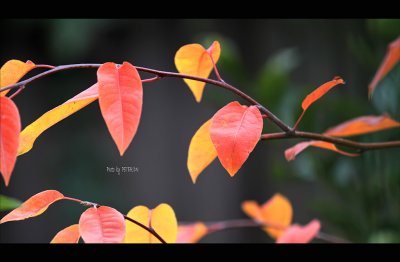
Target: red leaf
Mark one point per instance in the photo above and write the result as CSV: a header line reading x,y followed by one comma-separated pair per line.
x,y
291,153
120,98
300,234
235,131
320,91
362,125
67,235
102,225
391,59
34,206
9,137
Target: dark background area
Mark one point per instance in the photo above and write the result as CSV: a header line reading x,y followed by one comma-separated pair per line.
x,y
276,61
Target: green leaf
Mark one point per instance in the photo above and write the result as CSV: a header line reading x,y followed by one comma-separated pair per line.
x,y
8,203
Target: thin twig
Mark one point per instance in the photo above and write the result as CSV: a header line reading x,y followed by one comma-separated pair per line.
x,y
335,140
161,74
150,230
213,227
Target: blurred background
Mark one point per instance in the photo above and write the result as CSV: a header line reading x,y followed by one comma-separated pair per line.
x,y
277,61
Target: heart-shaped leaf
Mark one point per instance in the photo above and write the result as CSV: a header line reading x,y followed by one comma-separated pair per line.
x,y
191,233
12,71
67,235
391,59
161,219
235,131
195,60
34,206
120,99
300,234
30,133
102,225
277,212
9,137
201,151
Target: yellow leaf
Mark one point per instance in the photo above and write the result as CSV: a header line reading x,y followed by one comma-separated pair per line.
x,y
162,219
12,71
201,151
276,212
195,60
33,131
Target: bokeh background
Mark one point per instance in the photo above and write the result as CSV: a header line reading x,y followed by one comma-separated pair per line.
x,y
276,61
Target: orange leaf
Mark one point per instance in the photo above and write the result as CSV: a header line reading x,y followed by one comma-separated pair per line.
x,y
121,99
102,225
162,219
300,234
201,151
391,59
12,71
195,60
50,118
67,235
277,212
34,206
362,125
191,233
320,91
9,137
291,153
235,131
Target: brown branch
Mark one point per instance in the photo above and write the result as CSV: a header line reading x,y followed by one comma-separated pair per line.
x,y
149,229
336,140
161,74
213,227
288,132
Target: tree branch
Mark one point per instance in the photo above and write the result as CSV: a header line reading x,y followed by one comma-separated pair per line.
x,y
336,140
161,74
213,227
288,132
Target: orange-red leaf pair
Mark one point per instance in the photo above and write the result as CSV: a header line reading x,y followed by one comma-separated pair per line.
x,y
121,99
276,213
391,59
235,131
69,235
34,206
231,134
102,225
30,133
12,71
357,126
10,127
300,234
162,219
191,233
195,60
